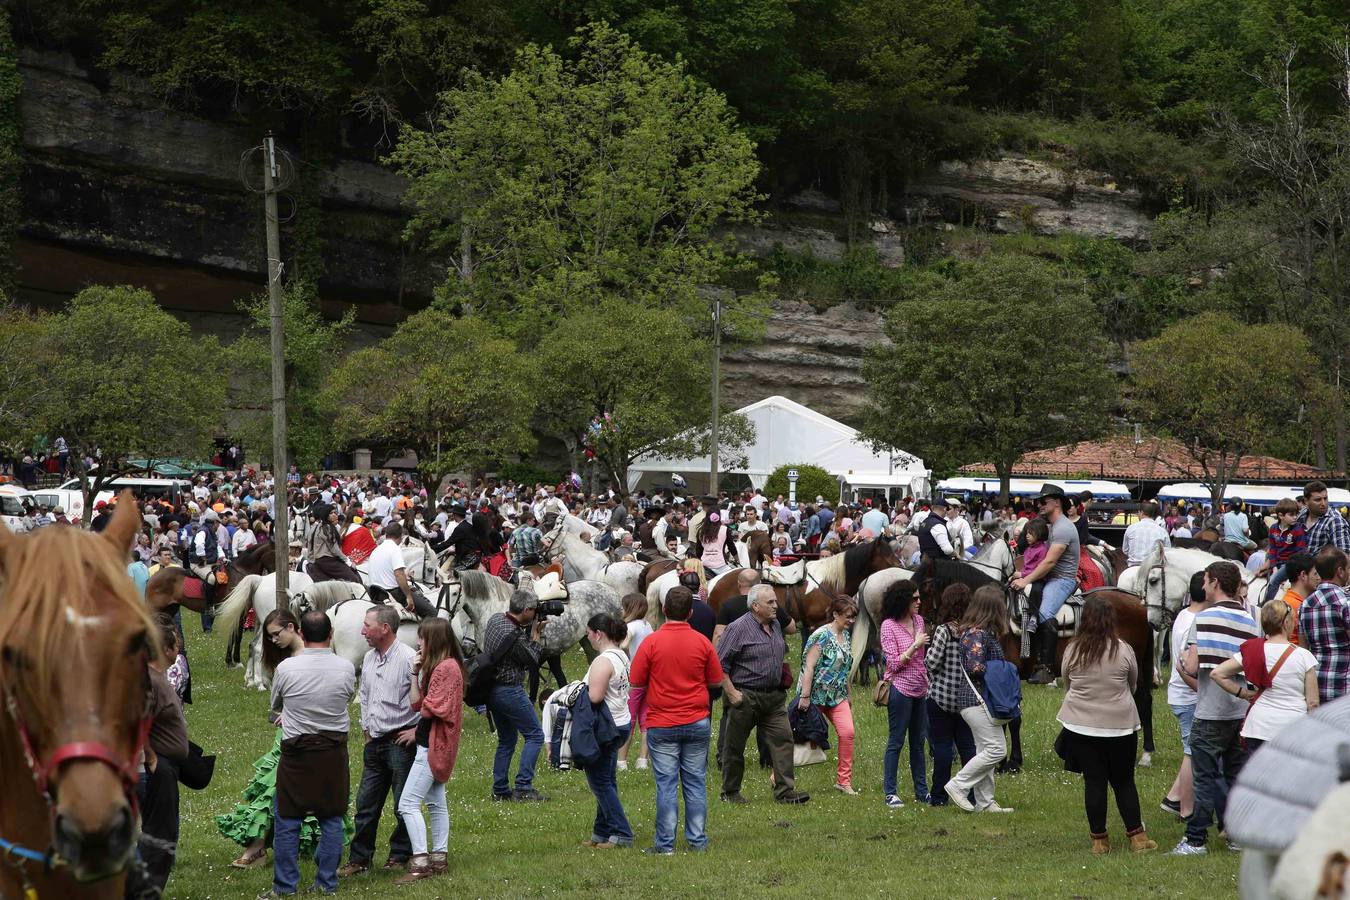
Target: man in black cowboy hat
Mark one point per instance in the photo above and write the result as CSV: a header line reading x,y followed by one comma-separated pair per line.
x,y
1058,575
934,540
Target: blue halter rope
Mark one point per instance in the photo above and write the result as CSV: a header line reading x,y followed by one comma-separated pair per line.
x,y
10,850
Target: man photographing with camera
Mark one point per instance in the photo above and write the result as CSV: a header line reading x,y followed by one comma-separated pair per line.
x,y
511,709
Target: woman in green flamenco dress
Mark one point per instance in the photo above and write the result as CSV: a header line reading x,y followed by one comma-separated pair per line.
x,y
250,822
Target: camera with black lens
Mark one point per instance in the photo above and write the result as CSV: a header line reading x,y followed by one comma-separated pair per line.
x,y
548,608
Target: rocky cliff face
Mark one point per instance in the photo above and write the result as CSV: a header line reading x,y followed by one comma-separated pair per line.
x,y
120,188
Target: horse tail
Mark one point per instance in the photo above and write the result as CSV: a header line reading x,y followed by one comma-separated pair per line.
x,y
861,630
239,599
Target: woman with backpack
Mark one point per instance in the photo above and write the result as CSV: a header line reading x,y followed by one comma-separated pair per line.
x,y
607,682
1101,722
977,647
437,693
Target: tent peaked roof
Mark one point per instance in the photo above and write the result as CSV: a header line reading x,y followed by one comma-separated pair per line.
x,y
786,432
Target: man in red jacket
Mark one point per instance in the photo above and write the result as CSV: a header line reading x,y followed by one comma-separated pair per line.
x,y
677,665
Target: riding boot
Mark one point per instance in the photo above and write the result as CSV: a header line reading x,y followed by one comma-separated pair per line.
x,y
1044,652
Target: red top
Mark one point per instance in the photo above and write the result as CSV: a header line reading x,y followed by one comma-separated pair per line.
x,y
676,665
444,705
358,544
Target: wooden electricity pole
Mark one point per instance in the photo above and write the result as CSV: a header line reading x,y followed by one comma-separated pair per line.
x,y
280,496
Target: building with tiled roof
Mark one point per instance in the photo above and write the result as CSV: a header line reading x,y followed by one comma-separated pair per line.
x,y
1123,458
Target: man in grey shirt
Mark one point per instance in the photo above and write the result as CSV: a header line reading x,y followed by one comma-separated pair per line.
x,y
1058,572
310,695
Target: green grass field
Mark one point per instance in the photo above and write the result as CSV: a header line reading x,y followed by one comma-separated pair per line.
x,y
834,846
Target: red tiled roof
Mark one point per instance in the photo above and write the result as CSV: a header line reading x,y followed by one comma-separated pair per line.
x,y
1153,459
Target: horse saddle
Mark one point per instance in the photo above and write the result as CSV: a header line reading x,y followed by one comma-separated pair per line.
x,y
193,588
789,574
1066,619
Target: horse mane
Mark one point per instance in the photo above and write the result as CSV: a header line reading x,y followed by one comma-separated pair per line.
x,y
50,584
838,570
326,594
483,585
951,571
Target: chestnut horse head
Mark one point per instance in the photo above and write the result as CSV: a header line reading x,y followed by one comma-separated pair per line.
x,y
75,640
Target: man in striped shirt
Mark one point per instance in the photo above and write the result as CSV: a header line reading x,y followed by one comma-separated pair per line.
x,y
1217,754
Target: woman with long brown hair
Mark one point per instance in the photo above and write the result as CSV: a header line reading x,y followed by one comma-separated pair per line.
x,y
948,733
250,822
985,622
1101,722
437,692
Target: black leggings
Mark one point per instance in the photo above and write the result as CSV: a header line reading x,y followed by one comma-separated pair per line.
x,y
1108,760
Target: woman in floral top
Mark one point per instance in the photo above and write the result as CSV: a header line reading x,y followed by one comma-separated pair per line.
x,y
824,682
902,641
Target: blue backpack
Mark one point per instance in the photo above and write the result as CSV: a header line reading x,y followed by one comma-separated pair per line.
x,y
1002,689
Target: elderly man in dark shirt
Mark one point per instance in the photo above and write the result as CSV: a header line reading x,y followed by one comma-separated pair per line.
x,y
752,650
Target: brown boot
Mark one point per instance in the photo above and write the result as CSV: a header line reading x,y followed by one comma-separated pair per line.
x,y
419,867
1101,843
1139,840
438,864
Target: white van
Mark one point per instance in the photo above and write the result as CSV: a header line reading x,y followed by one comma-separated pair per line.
x,y
69,497
11,507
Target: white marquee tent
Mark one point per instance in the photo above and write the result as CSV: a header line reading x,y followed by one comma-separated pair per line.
x,y
787,432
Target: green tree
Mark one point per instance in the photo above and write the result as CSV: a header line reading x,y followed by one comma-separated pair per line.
x,y
450,389
23,378
313,346
1183,388
128,379
569,181
812,482
620,398
1005,357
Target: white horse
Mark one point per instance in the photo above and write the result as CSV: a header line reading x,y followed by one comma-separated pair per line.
x,y
419,562
867,630
1163,581
258,592
659,587
995,559
582,562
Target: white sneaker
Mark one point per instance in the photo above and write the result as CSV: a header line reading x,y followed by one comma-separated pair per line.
x,y
959,797
1186,848
995,808
623,765
641,763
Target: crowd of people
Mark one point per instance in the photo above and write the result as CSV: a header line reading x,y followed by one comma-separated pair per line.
x,y
1240,674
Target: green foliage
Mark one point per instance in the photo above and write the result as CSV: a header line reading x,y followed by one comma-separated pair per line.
x,y
567,182
11,146
645,396
24,386
527,474
312,347
1006,356
130,379
812,482
452,390
1182,389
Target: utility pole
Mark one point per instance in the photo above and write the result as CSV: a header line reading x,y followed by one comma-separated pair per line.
x,y
716,392
280,495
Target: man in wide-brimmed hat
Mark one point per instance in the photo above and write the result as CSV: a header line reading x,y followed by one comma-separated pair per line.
x,y
934,540
1058,575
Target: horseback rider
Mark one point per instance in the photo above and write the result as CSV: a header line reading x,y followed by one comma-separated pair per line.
x,y
934,540
1059,574
389,581
205,553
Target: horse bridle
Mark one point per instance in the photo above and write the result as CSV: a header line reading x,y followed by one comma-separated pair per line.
x,y
1166,616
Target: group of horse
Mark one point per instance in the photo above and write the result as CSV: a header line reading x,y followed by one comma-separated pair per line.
x,y
76,708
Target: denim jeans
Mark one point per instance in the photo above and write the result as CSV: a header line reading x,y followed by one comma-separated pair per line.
x,y
1217,756
514,716
906,715
1185,719
1057,590
421,787
948,735
679,758
384,766
286,853
610,822
1273,585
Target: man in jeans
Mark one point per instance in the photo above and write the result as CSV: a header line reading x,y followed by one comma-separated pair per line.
x,y
677,665
1217,754
390,728
511,709
310,693
752,651
1058,572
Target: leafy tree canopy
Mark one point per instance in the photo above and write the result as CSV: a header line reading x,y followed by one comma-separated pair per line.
x,y
812,482
1005,356
451,389
567,182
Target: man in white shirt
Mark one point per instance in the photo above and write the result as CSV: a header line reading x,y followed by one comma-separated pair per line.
x,y
959,530
388,575
1144,535
381,505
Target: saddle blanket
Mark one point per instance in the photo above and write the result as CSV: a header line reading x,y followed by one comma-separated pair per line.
x,y
790,574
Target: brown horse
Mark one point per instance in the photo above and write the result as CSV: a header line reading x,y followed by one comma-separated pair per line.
x,y
173,587
809,602
76,642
